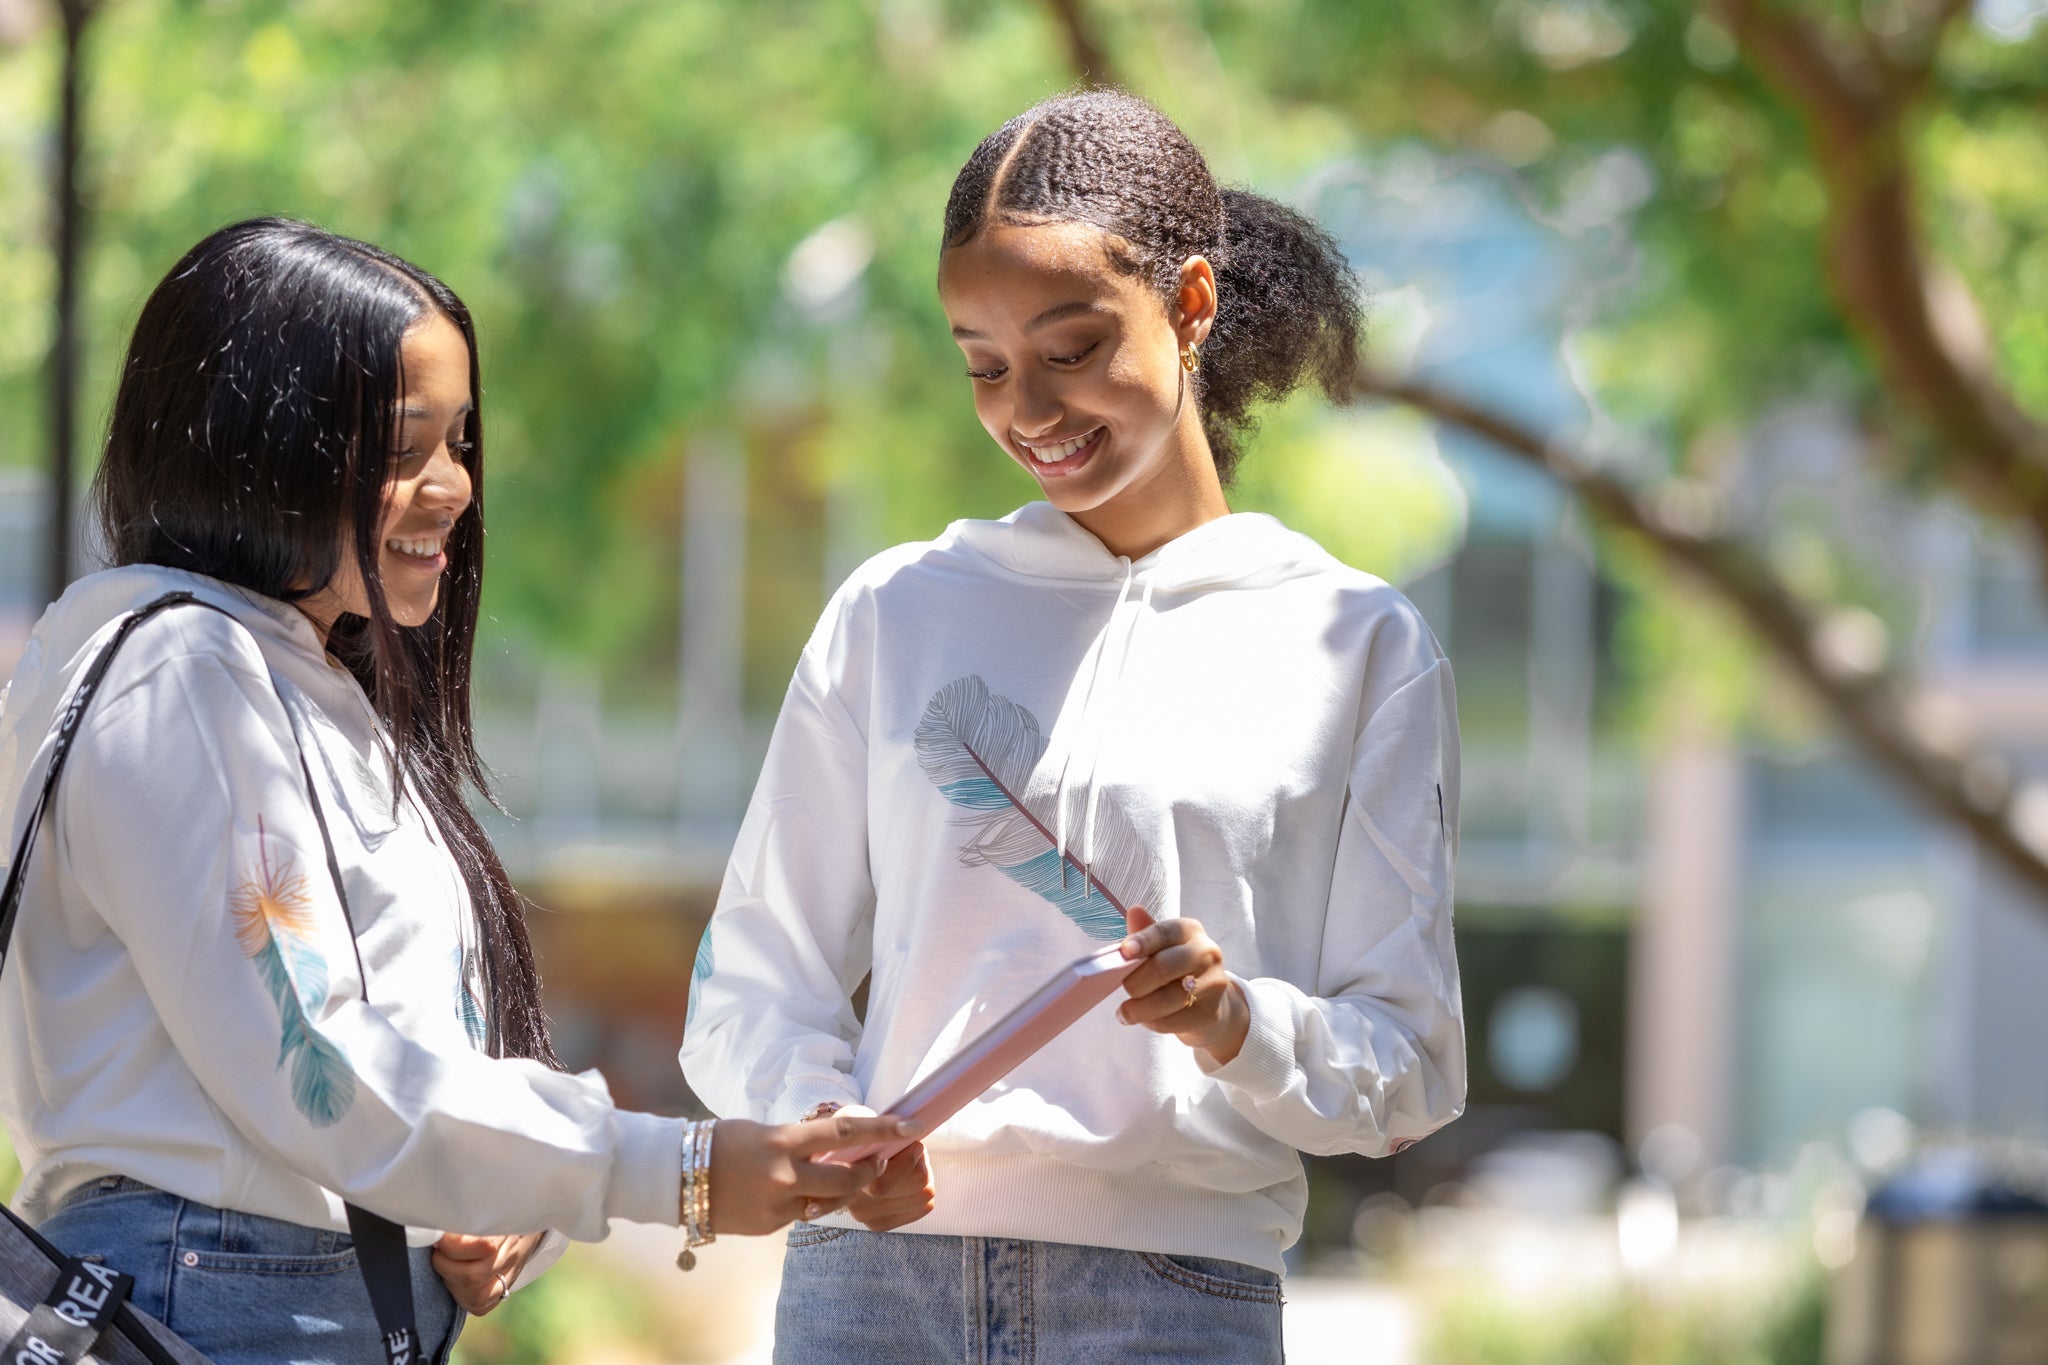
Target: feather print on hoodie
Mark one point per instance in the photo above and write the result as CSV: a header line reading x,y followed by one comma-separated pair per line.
x,y
273,919
981,750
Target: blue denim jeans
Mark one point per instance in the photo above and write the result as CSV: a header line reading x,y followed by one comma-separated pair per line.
x,y
244,1290
907,1298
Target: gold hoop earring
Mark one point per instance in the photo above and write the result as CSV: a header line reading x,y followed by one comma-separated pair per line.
x,y
1191,357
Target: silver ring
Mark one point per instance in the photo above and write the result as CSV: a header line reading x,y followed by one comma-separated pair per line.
x,y
504,1289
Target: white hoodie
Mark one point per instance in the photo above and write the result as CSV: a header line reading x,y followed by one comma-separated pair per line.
x,y
182,1003
1235,728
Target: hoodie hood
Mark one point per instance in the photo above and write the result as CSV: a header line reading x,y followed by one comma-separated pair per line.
x,y
1244,549
1241,551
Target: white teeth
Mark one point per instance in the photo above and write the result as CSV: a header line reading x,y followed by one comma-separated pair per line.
x,y
418,549
1064,450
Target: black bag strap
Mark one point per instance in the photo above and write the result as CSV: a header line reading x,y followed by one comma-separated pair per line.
x,y
73,1316
66,730
123,1317
380,1243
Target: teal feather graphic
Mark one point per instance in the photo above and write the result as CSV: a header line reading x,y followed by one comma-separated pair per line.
x,y
467,1007
706,963
273,912
981,749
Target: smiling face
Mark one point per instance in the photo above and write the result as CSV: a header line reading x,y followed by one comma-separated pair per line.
x,y
1077,376
429,486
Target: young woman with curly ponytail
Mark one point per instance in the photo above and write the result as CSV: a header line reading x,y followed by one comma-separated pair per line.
x,y
1123,714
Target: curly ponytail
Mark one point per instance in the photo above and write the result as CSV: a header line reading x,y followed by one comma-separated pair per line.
x,y
1288,310
1288,313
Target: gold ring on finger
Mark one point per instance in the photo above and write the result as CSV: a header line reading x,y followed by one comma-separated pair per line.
x,y
1188,984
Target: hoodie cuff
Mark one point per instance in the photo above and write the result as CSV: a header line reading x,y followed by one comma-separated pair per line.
x,y
1264,1067
647,1170
808,1092
552,1245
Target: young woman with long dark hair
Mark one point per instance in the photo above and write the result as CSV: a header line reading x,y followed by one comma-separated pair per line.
x,y
200,1059
1120,714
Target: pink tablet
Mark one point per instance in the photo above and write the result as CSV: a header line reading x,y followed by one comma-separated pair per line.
x,y
1071,993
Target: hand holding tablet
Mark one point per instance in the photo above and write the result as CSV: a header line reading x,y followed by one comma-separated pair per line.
x,y
998,1049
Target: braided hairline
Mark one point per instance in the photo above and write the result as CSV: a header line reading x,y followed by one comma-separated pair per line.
x,y
1096,157
1002,172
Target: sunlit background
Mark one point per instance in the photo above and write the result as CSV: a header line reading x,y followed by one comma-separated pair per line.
x,y
1706,420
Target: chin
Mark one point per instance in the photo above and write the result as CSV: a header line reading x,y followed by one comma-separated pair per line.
x,y
1074,496
1082,508
412,614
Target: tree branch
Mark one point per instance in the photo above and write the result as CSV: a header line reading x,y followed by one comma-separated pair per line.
x,y
1084,51
1961,782
1918,325
1915,53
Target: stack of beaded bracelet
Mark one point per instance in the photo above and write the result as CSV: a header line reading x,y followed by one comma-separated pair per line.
x,y
696,1192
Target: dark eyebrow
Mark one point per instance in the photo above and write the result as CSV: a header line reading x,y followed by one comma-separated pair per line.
x,y
1059,312
415,413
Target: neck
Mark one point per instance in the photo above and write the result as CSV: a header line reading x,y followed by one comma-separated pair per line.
x,y
320,612
1182,493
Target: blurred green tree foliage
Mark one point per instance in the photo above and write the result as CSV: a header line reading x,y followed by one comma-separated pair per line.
x,y
715,223
1740,305
1837,203
1786,1328
615,190
675,223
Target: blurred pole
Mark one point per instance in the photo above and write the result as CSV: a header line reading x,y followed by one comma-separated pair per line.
x,y
1682,961
68,229
858,362
711,671
1561,649
569,750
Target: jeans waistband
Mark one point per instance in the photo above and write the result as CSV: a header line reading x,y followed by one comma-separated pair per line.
x,y
102,1186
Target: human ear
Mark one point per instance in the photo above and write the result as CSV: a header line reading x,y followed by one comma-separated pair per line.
x,y
1195,301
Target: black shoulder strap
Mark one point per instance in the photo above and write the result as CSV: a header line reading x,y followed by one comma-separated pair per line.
x,y
66,730
380,1243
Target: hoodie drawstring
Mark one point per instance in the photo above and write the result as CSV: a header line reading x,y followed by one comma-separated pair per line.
x,y
1094,733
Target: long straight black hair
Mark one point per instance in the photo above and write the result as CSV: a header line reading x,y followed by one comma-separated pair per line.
x,y
251,441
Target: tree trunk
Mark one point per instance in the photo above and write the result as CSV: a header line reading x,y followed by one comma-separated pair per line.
x,y
1084,50
68,229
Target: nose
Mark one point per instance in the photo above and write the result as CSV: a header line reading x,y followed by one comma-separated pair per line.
x,y
1035,408
445,486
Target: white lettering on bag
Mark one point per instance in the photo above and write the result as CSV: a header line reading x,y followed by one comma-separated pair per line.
x,y
38,1352
105,1275
82,1302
